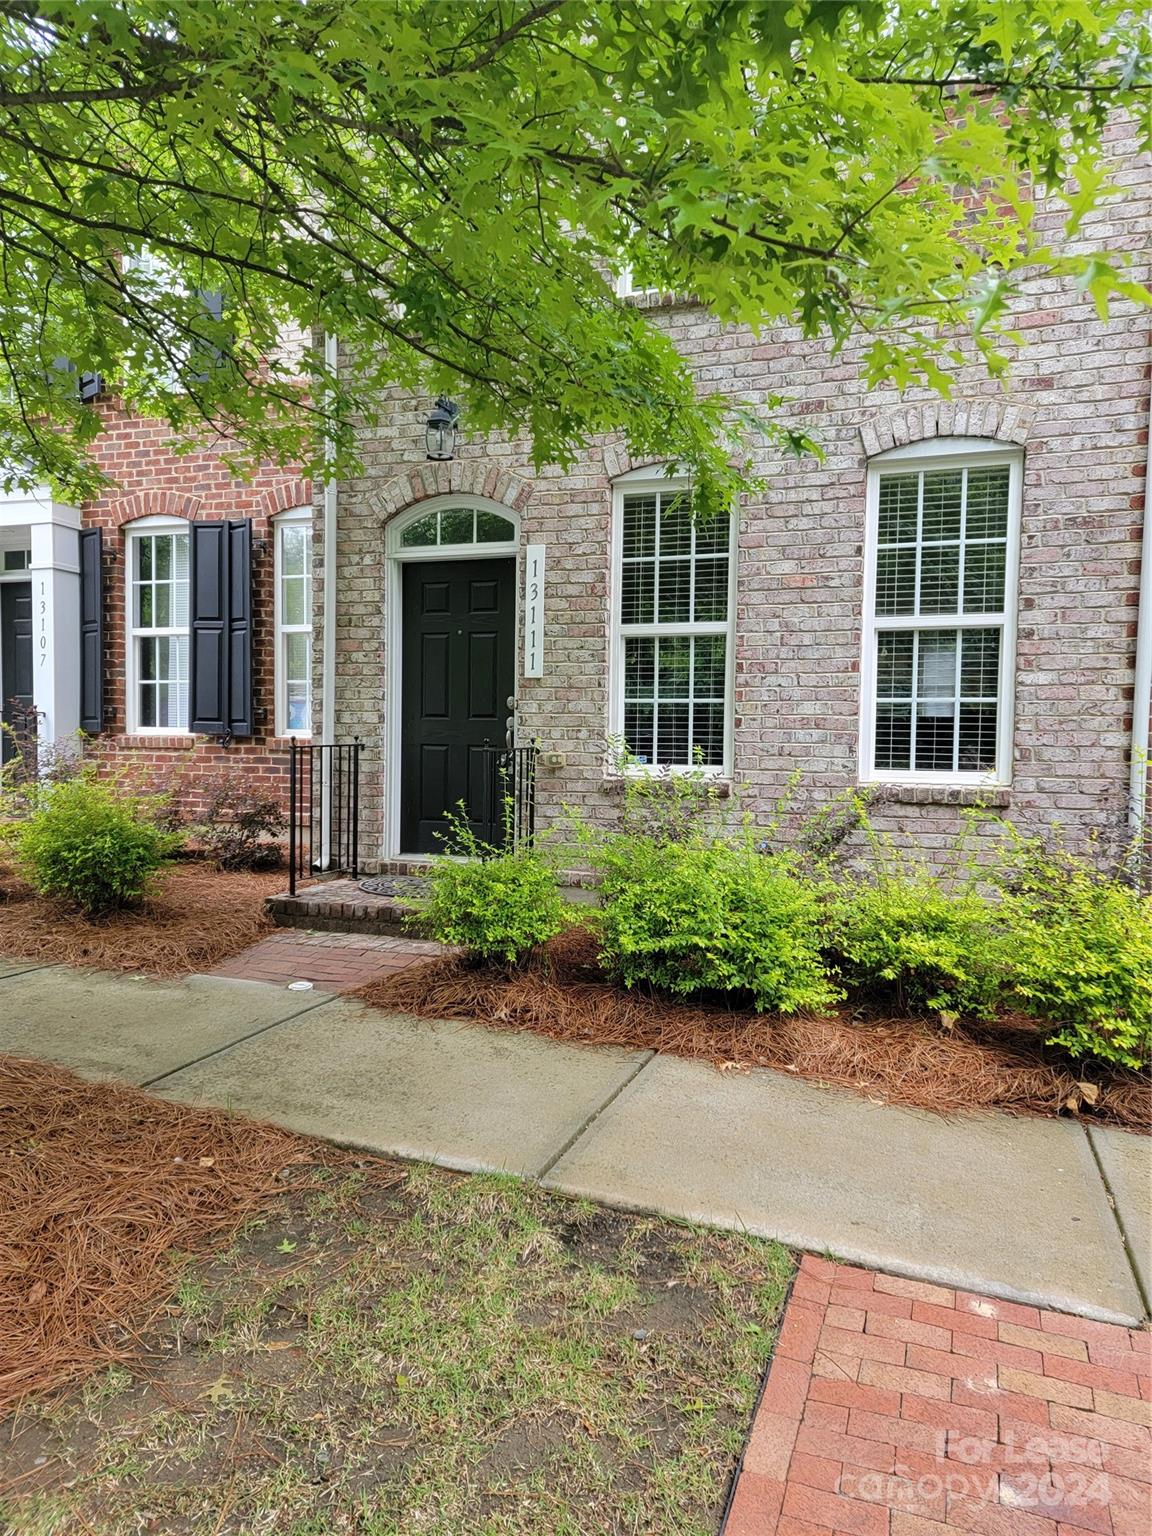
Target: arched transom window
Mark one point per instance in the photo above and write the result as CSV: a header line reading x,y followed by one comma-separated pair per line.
x,y
457,525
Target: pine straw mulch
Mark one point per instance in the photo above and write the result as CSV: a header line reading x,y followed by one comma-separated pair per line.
x,y
197,916
101,1187
563,994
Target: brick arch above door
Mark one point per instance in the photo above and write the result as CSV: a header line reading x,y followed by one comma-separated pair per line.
x,y
424,481
893,428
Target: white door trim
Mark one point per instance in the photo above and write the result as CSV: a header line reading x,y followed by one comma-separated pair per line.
x,y
397,558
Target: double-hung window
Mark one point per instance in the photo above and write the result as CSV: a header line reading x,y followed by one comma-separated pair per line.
x,y
940,601
294,623
673,628
158,626
628,288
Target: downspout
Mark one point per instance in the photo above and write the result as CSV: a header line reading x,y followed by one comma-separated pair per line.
x,y
328,647
1142,692
328,650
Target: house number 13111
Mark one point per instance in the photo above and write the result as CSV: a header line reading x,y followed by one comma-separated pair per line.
x,y
534,611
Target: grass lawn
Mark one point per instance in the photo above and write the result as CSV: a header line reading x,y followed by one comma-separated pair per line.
x,y
398,1349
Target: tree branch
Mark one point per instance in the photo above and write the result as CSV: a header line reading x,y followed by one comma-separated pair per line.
x,y
996,87
486,55
14,100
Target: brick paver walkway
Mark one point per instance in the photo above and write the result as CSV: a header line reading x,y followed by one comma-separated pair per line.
x,y
334,962
895,1408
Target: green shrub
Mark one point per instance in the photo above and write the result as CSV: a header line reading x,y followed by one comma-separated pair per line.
x,y
93,843
1079,953
910,938
497,906
671,805
711,916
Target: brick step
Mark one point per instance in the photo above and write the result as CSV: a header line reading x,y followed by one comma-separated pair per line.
x,y
576,882
413,866
340,906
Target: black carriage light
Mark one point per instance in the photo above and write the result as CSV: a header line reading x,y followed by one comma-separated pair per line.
x,y
440,433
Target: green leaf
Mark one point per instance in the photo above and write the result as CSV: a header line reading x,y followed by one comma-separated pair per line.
x,y
445,187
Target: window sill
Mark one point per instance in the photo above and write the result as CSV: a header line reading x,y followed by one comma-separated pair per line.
x,y
660,300
988,796
152,741
618,783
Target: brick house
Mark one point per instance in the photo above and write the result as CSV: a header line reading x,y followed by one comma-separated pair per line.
x,y
96,628
946,607
158,493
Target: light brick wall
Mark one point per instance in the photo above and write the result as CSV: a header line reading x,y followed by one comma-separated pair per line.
x,y
151,480
1076,397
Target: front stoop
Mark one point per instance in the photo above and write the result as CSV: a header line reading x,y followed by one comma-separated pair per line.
x,y
341,906
338,906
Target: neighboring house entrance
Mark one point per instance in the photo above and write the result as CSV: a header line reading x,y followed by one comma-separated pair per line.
x,y
458,669
15,659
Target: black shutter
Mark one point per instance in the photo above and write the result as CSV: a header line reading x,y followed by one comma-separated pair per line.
x,y
220,663
91,631
88,385
240,627
208,572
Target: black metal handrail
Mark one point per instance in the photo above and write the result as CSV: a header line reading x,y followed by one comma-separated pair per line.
x,y
323,809
510,795
20,744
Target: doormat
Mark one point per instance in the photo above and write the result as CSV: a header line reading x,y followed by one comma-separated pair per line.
x,y
403,886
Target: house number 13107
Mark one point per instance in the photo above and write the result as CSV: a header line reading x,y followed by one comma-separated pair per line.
x,y
534,611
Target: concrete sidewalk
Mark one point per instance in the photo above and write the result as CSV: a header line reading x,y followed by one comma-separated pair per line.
x,y
1041,1212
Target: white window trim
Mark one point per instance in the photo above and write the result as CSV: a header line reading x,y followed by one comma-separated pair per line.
x,y
295,517
397,555
398,551
639,482
166,279
943,453
147,525
625,288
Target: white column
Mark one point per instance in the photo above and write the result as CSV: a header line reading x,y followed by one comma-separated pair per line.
x,y
55,578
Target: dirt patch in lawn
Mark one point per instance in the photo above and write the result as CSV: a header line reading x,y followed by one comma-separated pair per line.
x,y
98,1185
385,1349
564,995
197,916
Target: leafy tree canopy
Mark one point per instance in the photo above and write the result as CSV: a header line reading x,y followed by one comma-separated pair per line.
x,y
443,183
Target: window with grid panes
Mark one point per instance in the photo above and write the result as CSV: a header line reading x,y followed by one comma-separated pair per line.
x,y
940,619
158,637
458,525
673,630
294,626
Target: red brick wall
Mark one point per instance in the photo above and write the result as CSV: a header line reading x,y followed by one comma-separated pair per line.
x,y
152,480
